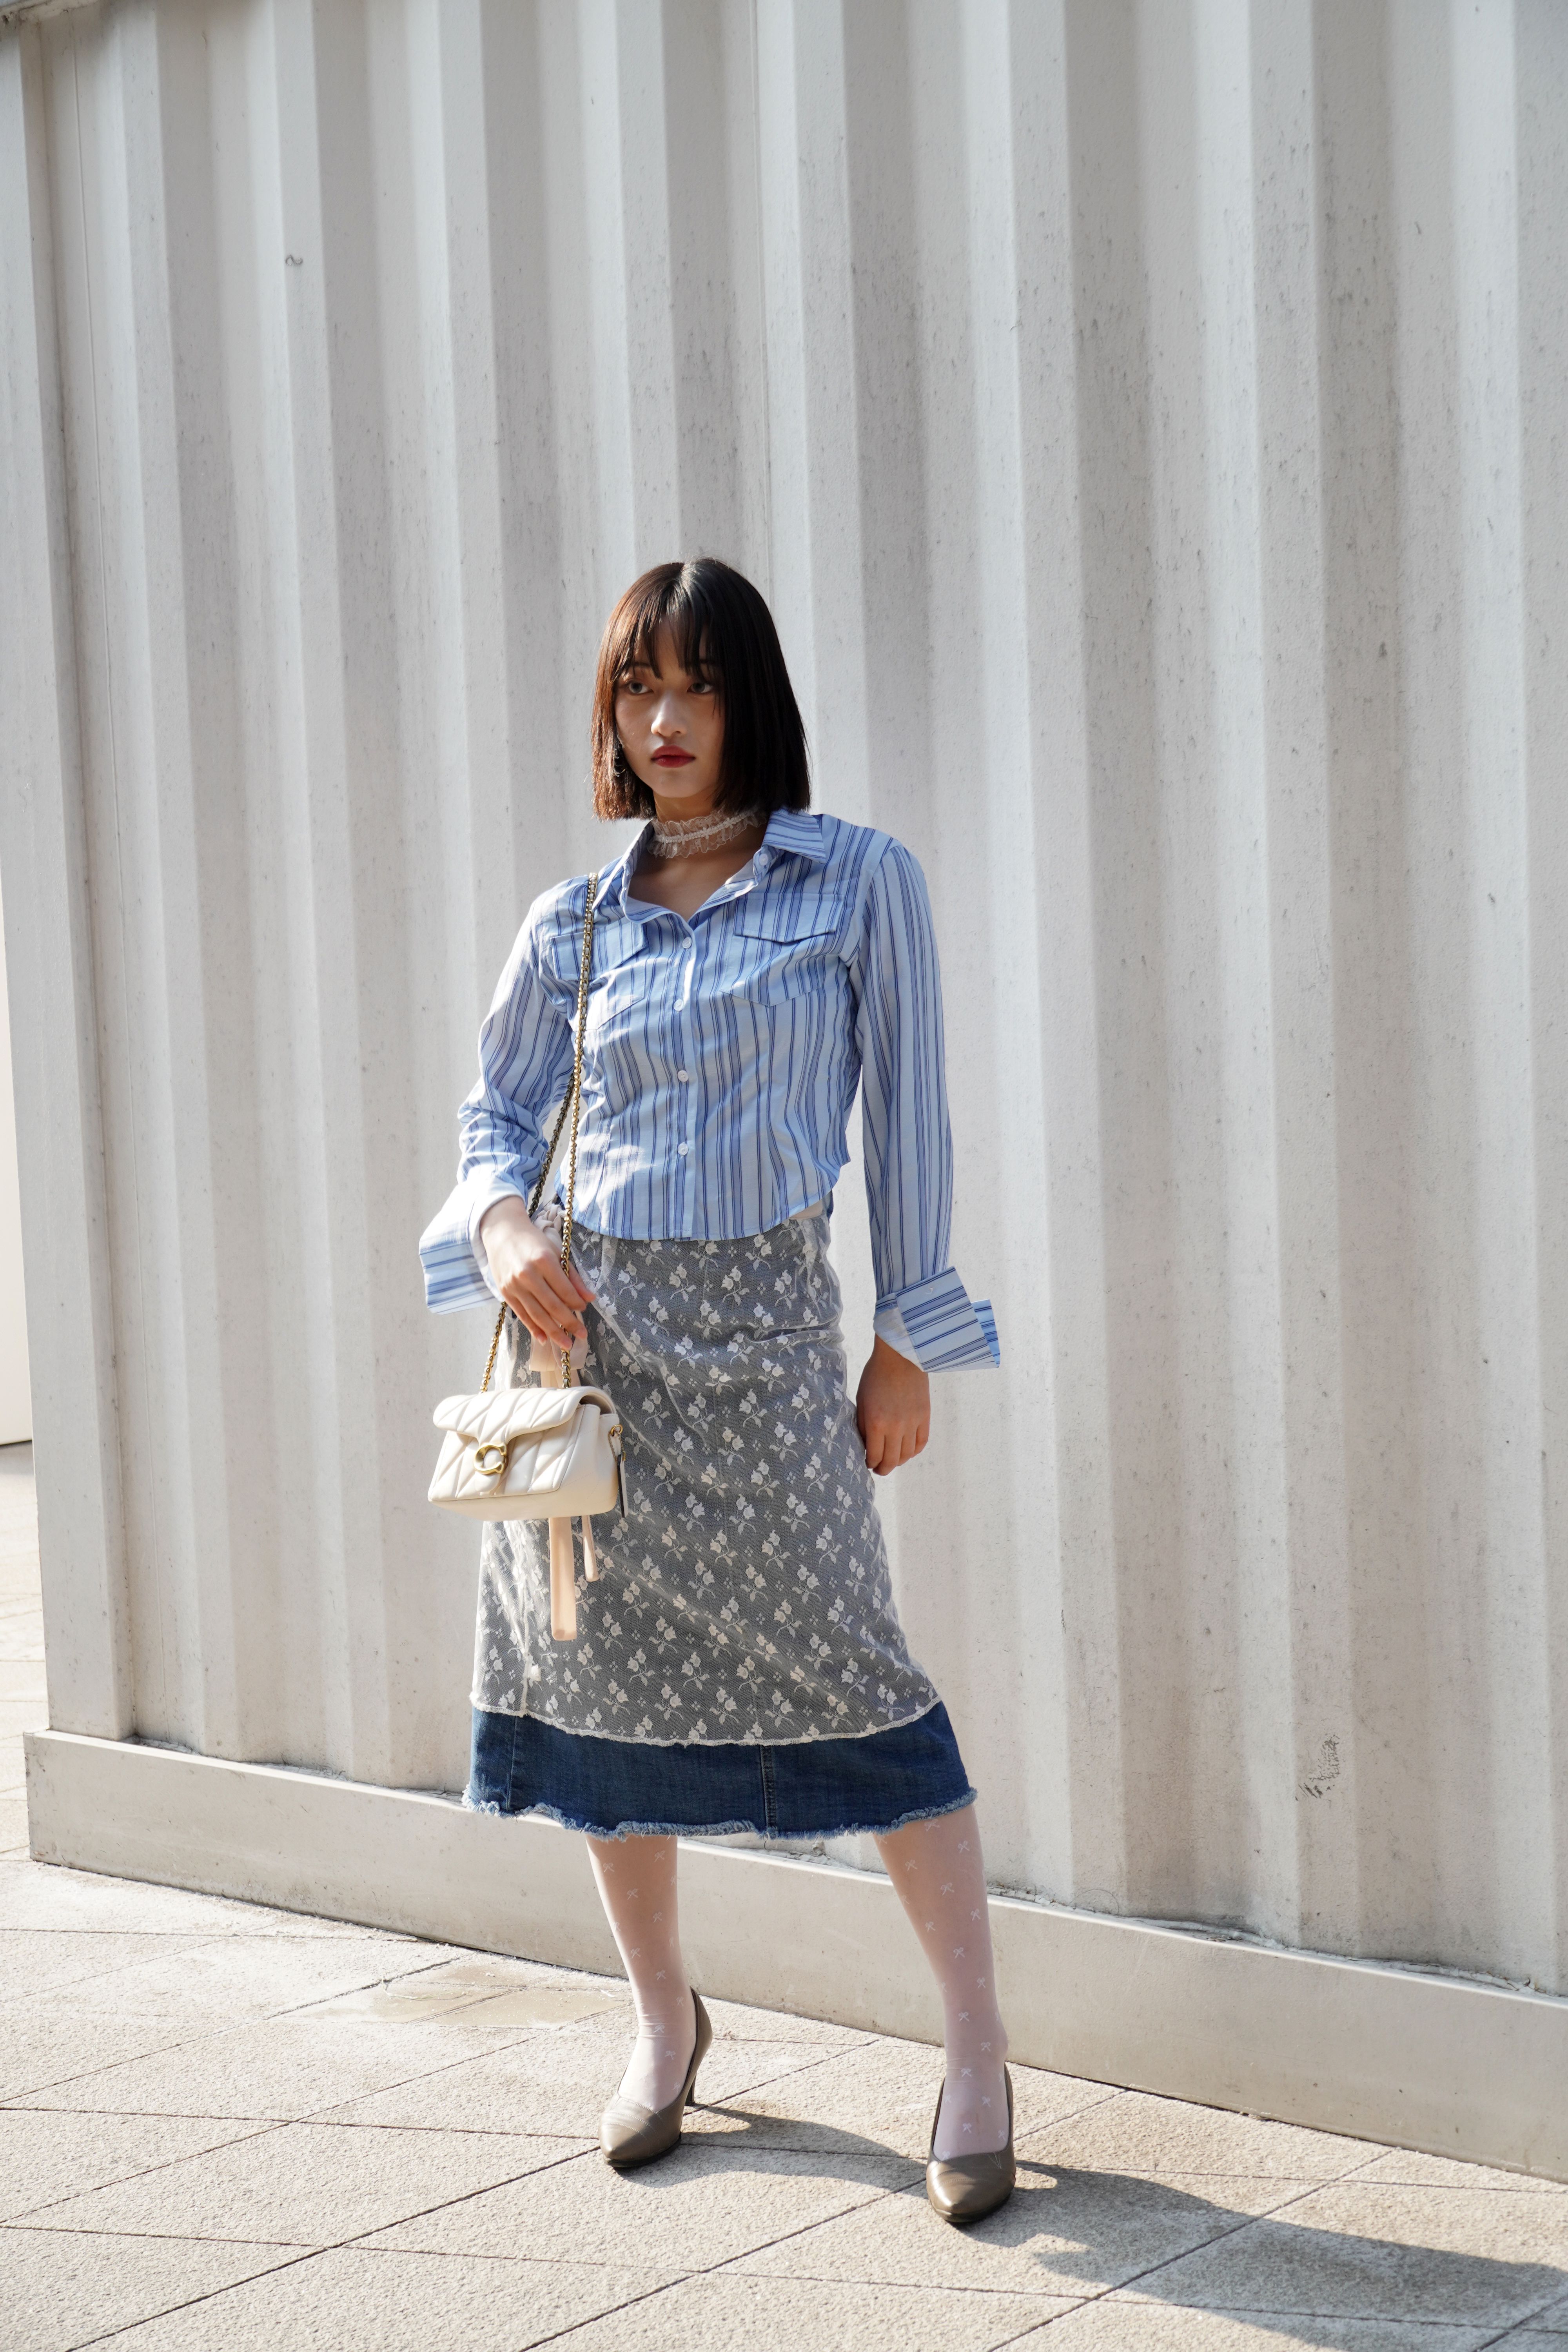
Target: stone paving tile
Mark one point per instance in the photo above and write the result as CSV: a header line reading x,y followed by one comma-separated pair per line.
x,y
45,2156
693,2208
17,1716
486,1993
43,1894
559,2081
882,2094
22,1684
1133,2131
303,2185
61,2289
56,1961
714,2315
1065,2234
45,2053
500,1972
21,1635
282,2068
351,2301
1115,2324
1398,2165
1374,2252
731,2022
220,1980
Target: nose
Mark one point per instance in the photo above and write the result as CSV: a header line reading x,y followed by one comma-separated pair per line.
x,y
667,719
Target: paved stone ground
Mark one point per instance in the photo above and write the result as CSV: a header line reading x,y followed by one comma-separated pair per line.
x,y
226,2126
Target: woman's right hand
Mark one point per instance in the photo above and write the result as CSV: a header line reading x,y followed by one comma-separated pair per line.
x,y
525,1265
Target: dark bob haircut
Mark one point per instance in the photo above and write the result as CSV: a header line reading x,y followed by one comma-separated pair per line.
x,y
723,630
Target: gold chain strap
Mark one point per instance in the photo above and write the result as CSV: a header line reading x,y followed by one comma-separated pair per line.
x,y
573,1104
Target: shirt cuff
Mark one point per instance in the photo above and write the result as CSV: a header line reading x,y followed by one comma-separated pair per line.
x,y
456,1269
939,1327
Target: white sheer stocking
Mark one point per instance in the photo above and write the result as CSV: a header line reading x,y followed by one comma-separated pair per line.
x,y
635,1878
941,1877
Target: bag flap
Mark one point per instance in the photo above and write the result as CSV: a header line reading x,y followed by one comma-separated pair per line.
x,y
500,1414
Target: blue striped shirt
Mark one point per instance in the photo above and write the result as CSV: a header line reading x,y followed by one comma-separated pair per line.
x,y
719,1066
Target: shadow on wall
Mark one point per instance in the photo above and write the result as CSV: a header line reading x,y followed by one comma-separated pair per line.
x,y
1081,2231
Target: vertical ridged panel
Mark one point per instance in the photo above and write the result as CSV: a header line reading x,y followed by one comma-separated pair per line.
x,y
1147,422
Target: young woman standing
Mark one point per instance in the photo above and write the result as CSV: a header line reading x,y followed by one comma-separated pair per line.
x,y
740,1665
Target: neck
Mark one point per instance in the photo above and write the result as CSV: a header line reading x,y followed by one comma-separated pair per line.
x,y
680,811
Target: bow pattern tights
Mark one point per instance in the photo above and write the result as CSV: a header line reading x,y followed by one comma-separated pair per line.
x,y
635,1878
940,1875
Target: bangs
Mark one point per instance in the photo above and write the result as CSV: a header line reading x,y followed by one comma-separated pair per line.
x,y
678,605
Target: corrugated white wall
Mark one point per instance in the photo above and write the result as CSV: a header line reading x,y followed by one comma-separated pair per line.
x,y
15,1396
1149,422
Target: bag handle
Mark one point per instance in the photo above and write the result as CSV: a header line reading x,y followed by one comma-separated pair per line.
x,y
573,1103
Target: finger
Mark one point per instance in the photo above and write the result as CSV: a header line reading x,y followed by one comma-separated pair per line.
x,y
557,1290
542,1317
563,1282
556,1295
876,1445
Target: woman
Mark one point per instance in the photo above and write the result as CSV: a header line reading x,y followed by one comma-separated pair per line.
x,y
739,1663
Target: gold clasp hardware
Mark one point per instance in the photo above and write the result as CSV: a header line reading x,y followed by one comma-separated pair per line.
x,y
483,1467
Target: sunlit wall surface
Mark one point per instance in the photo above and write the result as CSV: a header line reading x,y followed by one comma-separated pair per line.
x,y
1151,425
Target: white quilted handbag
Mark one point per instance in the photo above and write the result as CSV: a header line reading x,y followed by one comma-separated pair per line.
x,y
529,1454
550,1452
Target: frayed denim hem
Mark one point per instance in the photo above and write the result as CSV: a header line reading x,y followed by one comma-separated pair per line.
x,y
723,1829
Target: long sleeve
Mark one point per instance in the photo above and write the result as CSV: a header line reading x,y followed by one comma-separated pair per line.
x,y
923,1307
525,1065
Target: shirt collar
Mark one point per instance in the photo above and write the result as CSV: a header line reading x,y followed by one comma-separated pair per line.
x,y
792,833
614,882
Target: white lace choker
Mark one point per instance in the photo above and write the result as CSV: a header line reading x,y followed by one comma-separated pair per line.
x,y
688,836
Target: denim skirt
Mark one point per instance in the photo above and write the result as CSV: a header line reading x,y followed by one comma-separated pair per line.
x,y
804,1789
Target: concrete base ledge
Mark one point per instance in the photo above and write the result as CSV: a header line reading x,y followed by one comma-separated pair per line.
x,y
1386,2053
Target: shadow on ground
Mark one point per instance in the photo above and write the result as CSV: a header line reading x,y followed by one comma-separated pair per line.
x,y
1314,2286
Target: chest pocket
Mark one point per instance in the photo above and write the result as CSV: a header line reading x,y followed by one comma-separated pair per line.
x,y
781,948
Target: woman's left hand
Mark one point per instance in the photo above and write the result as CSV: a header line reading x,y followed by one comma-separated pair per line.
x,y
892,1408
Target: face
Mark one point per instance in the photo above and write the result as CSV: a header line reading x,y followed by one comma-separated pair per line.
x,y
670,721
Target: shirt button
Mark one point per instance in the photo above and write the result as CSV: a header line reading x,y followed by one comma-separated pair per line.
x,y
683,1076
683,1148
